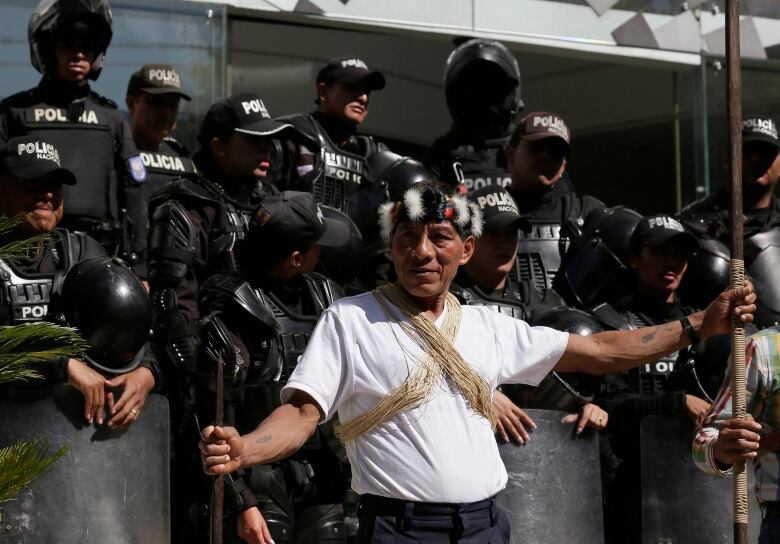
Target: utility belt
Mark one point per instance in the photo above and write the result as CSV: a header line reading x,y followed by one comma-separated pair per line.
x,y
406,511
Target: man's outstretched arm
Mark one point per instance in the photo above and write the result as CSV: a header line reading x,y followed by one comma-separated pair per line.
x,y
615,351
285,431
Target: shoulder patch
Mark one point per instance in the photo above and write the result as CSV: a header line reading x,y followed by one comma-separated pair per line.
x,y
137,169
103,100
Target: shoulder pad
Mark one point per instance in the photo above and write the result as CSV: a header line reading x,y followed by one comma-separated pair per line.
x,y
103,101
177,146
461,293
227,293
19,99
590,203
607,314
77,246
305,125
325,287
369,146
704,206
184,188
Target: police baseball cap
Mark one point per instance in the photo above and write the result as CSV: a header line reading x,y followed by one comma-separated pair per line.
x,y
156,79
498,208
350,70
244,113
31,158
656,230
539,125
760,128
293,221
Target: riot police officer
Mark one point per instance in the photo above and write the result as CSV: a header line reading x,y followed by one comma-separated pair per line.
x,y
482,86
709,217
537,156
153,96
31,289
197,220
68,41
485,281
331,165
195,227
259,324
659,249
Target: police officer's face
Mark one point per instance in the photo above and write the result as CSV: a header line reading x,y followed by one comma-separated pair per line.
x,y
153,115
74,60
660,269
243,156
426,256
760,164
309,259
39,202
494,255
537,164
347,102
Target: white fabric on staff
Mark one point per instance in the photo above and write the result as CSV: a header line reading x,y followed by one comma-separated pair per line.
x,y
441,451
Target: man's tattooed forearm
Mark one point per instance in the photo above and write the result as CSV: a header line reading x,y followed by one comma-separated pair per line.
x,y
646,339
264,439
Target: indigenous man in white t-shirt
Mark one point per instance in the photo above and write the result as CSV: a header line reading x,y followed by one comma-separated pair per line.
x,y
410,373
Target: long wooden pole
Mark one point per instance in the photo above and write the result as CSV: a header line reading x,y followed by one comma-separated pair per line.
x,y
734,94
219,481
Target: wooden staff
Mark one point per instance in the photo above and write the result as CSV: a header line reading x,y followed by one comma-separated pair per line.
x,y
738,370
219,481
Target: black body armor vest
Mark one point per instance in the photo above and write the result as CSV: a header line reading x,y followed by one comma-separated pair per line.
x,y
28,297
338,173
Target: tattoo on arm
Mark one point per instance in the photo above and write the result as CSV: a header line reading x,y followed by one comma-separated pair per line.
x,y
264,439
646,339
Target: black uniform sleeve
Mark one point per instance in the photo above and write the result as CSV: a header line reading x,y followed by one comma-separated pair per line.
x,y
54,370
151,363
131,179
238,492
4,128
178,243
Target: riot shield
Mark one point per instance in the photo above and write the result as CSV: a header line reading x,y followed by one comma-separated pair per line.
x,y
680,503
112,486
763,273
554,489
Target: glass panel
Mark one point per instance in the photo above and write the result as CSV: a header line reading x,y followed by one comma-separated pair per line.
x,y
760,82
191,37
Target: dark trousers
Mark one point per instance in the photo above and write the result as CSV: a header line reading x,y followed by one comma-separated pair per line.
x,y
770,525
394,521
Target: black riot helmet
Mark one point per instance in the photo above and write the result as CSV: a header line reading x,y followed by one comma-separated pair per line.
x,y
707,275
482,85
341,263
562,318
109,306
60,20
565,390
391,175
595,268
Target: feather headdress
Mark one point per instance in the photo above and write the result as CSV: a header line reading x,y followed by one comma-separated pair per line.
x,y
429,201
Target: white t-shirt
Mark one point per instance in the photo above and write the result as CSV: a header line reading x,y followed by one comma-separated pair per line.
x,y
441,451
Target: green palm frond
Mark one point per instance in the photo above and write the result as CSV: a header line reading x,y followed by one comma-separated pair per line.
x,y
21,248
7,224
22,463
23,345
